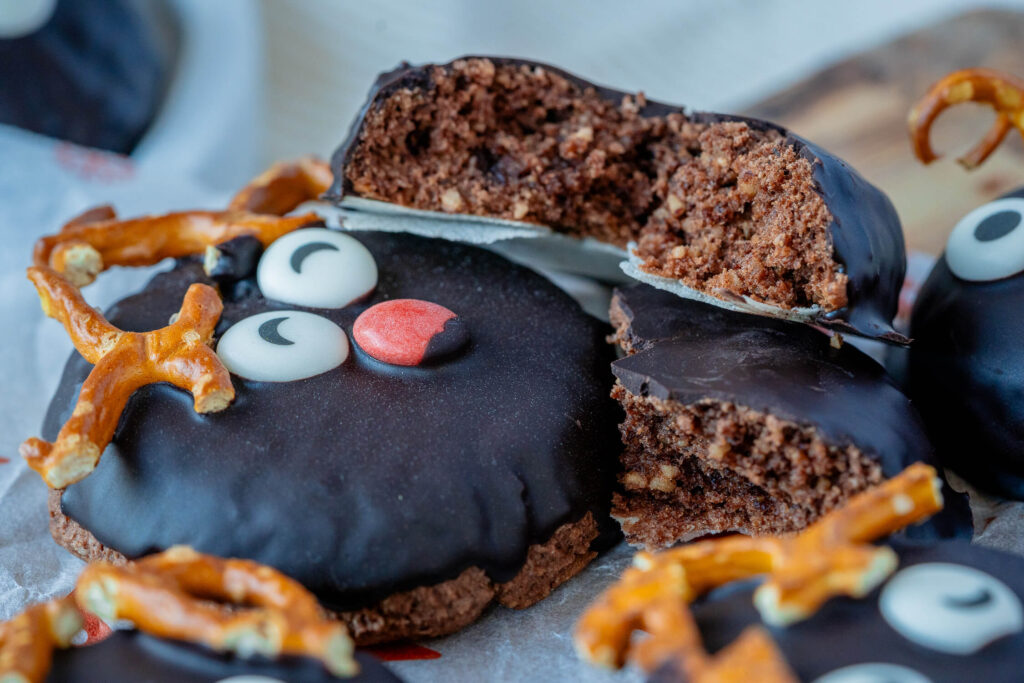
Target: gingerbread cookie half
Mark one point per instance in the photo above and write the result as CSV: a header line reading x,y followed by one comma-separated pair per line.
x,y
737,423
420,428
729,210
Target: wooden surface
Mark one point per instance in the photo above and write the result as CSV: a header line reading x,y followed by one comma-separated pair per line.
x,y
857,109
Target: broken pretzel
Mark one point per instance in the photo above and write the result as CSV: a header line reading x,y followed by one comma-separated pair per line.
x,y
1002,92
169,595
832,557
27,641
96,240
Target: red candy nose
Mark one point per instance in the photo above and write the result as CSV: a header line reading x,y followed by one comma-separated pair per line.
x,y
409,331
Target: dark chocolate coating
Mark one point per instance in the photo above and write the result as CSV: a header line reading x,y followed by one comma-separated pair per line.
x,y
237,260
370,479
690,351
94,74
135,657
966,373
865,231
451,339
846,631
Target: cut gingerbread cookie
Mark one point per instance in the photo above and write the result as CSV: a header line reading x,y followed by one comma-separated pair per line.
x,y
729,210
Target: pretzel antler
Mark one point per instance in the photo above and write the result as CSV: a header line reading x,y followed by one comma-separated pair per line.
x,y
95,240
1002,92
168,595
178,353
284,186
831,557
124,362
27,641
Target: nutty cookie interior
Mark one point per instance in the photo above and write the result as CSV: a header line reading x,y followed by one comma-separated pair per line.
x,y
714,467
721,206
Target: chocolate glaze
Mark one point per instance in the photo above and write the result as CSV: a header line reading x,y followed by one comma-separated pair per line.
x,y
370,479
237,259
688,351
846,631
450,340
132,656
865,231
966,373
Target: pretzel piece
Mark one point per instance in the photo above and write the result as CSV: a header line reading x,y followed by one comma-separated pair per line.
x,y
82,251
831,557
96,240
124,361
27,641
169,595
284,186
1002,92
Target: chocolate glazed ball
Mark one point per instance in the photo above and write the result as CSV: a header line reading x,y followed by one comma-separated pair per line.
x,y
966,366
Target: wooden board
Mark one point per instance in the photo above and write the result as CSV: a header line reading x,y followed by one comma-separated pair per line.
x,y
857,109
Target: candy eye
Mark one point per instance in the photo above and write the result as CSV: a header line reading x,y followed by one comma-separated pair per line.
x,y
950,608
282,346
318,268
988,243
873,672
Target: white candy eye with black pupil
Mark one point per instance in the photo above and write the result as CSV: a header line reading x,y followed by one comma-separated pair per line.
x,y
950,608
873,672
316,268
988,243
282,346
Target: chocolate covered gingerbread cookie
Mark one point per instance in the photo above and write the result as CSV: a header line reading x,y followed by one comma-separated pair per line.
x,y
739,423
725,209
966,369
412,428
825,606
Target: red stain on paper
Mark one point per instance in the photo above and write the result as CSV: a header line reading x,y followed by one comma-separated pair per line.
x,y
400,652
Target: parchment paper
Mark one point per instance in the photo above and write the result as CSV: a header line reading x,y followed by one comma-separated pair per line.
x,y
42,184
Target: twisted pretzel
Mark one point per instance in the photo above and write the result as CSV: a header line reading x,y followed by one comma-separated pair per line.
x,y
831,557
124,362
1003,93
168,595
27,641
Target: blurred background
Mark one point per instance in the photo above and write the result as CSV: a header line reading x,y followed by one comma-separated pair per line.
x,y
213,91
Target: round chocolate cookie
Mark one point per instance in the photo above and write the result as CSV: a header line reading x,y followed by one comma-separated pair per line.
x,y
133,656
465,456
966,366
951,612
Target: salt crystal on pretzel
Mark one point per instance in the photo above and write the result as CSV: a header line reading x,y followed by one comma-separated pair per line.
x,y
831,557
27,641
124,361
1002,92
169,595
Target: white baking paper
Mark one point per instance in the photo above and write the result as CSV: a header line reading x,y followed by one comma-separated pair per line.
x,y
42,184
